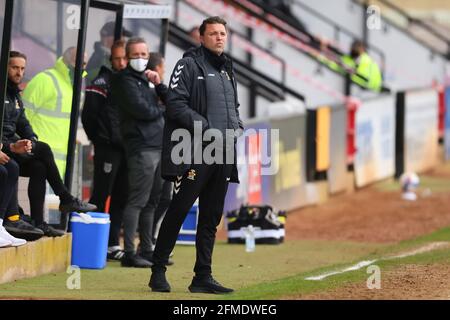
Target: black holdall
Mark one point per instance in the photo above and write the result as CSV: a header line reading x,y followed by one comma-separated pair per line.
x,y
268,224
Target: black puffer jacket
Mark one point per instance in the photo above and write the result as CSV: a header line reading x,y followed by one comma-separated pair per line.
x,y
141,118
187,102
15,124
100,116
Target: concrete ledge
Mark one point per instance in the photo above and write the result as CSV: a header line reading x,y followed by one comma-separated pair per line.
x,y
43,256
316,192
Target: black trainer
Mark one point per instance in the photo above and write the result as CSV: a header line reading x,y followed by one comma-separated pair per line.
x,y
207,284
158,282
50,231
76,205
22,230
115,255
134,261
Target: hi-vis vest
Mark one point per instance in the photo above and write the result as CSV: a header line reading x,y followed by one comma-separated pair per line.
x,y
367,68
48,103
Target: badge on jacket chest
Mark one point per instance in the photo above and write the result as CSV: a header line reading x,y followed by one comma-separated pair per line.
x,y
17,104
191,174
226,73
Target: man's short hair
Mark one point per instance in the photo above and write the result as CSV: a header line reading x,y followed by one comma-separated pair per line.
x,y
17,54
133,41
211,20
358,44
155,60
118,44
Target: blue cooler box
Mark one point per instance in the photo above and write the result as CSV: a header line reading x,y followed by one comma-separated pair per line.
x,y
90,232
189,228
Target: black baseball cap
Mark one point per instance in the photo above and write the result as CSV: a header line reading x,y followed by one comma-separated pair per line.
x,y
109,29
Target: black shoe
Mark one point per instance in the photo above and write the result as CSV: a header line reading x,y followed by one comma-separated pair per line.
x,y
22,230
207,284
149,257
158,282
76,205
50,231
134,261
115,255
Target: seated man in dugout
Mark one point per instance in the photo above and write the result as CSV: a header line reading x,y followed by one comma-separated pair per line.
x,y
9,174
37,162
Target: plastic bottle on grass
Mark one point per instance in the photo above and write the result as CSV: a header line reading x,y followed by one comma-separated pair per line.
x,y
250,239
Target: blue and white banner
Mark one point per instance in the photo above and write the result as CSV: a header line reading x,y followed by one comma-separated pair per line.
x,y
375,140
421,130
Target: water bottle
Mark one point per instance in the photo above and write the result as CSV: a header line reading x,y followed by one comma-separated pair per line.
x,y
250,239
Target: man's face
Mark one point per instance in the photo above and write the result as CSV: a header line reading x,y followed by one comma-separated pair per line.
x,y
73,59
138,50
16,69
119,59
108,41
214,38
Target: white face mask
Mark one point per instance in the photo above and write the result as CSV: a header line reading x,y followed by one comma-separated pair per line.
x,y
139,64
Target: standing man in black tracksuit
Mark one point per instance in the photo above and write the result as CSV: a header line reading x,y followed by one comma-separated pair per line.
x,y
101,122
141,124
202,90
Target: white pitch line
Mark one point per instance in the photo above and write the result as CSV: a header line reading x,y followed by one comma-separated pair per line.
x,y
357,266
429,247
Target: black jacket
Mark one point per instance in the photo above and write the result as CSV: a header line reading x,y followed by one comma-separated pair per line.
x,y
141,117
15,124
186,102
100,115
99,58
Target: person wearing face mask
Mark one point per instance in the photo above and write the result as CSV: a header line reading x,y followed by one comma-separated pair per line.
x,y
48,103
141,125
364,70
368,74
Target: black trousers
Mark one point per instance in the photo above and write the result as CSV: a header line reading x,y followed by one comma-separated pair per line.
x,y
163,205
9,174
209,183
110,181
40,167
145,184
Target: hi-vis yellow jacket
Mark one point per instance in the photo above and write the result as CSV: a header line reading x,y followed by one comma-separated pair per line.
x,y
48,103
367,68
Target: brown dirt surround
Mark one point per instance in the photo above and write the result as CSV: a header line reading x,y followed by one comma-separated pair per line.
x,y
370,216
407,282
